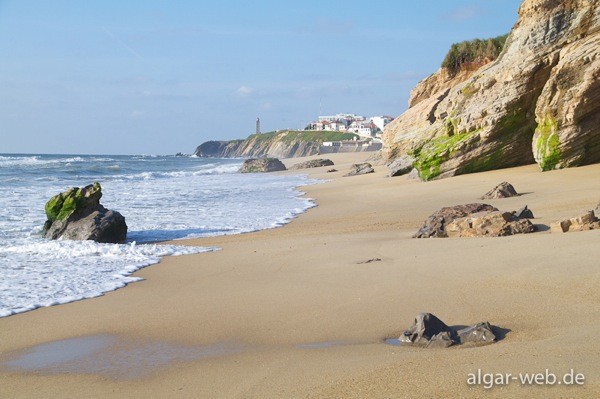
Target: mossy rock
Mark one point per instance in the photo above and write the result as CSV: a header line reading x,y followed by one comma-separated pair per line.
x,y
432,154
73,200
546,144
262,165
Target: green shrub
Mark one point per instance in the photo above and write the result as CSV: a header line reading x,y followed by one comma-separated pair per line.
x,y
476,50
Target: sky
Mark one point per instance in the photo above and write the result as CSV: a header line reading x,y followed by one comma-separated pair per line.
x,y
160,77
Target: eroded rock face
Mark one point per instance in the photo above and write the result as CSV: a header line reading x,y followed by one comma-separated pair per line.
x,y
502,190
76,214
440,81
262,165
360,169
587,221
546,81
435,225
313,163
401,166
489,224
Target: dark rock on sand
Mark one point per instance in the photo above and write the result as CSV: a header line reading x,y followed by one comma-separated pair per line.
x,y
262,165
313,163
332,170
435,225
524,213
479,333
76,214
429,331
361,169
401,166
502,190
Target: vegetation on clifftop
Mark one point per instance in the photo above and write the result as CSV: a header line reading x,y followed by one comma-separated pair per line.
x,y
473,51
314,136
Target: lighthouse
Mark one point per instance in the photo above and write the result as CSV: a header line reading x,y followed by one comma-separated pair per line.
x,y
257,125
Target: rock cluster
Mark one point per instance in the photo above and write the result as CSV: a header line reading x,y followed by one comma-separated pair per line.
x,y
76,214
538,101
473,220
430,332
262,165
502,190
360,169
587,221
313,163
435,225
489,224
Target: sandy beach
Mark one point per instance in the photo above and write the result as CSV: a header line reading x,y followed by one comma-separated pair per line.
x,y
298,312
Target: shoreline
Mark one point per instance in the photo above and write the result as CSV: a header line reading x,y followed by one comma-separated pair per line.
x,y
307,319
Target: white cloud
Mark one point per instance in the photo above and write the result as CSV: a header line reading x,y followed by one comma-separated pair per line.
x,y
465,13
244,91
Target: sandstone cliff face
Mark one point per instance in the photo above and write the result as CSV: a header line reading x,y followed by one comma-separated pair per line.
x,y
541,92
438,82
283,144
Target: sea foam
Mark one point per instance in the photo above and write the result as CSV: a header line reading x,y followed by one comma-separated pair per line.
x,y
162,199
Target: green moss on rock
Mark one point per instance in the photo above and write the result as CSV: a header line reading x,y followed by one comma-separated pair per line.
x,y
469,90
451,125
432,154
547,144
63,205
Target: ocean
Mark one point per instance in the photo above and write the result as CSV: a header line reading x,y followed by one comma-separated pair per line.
x,y
162,198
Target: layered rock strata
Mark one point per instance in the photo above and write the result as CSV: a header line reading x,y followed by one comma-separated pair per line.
x,y
538,102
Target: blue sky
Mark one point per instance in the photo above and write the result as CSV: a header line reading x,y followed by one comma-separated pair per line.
x,y
158,76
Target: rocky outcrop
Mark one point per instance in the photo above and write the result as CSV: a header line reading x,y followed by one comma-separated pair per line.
x,y
479,333
502,190
587,221
280,144
313,163
360,169
435,225
262,165
76,214
430,332
401,166
489,224
542,92
218,149
524,213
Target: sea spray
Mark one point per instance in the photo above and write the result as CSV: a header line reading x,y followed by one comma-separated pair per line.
x,y
162,199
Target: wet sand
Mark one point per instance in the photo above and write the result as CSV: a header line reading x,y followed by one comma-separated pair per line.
x,y
296,312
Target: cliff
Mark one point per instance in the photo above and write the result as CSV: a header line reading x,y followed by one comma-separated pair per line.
x,y
537,102
280,144
461,62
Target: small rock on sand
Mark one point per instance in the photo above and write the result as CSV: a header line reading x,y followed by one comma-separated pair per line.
x,y
502,190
